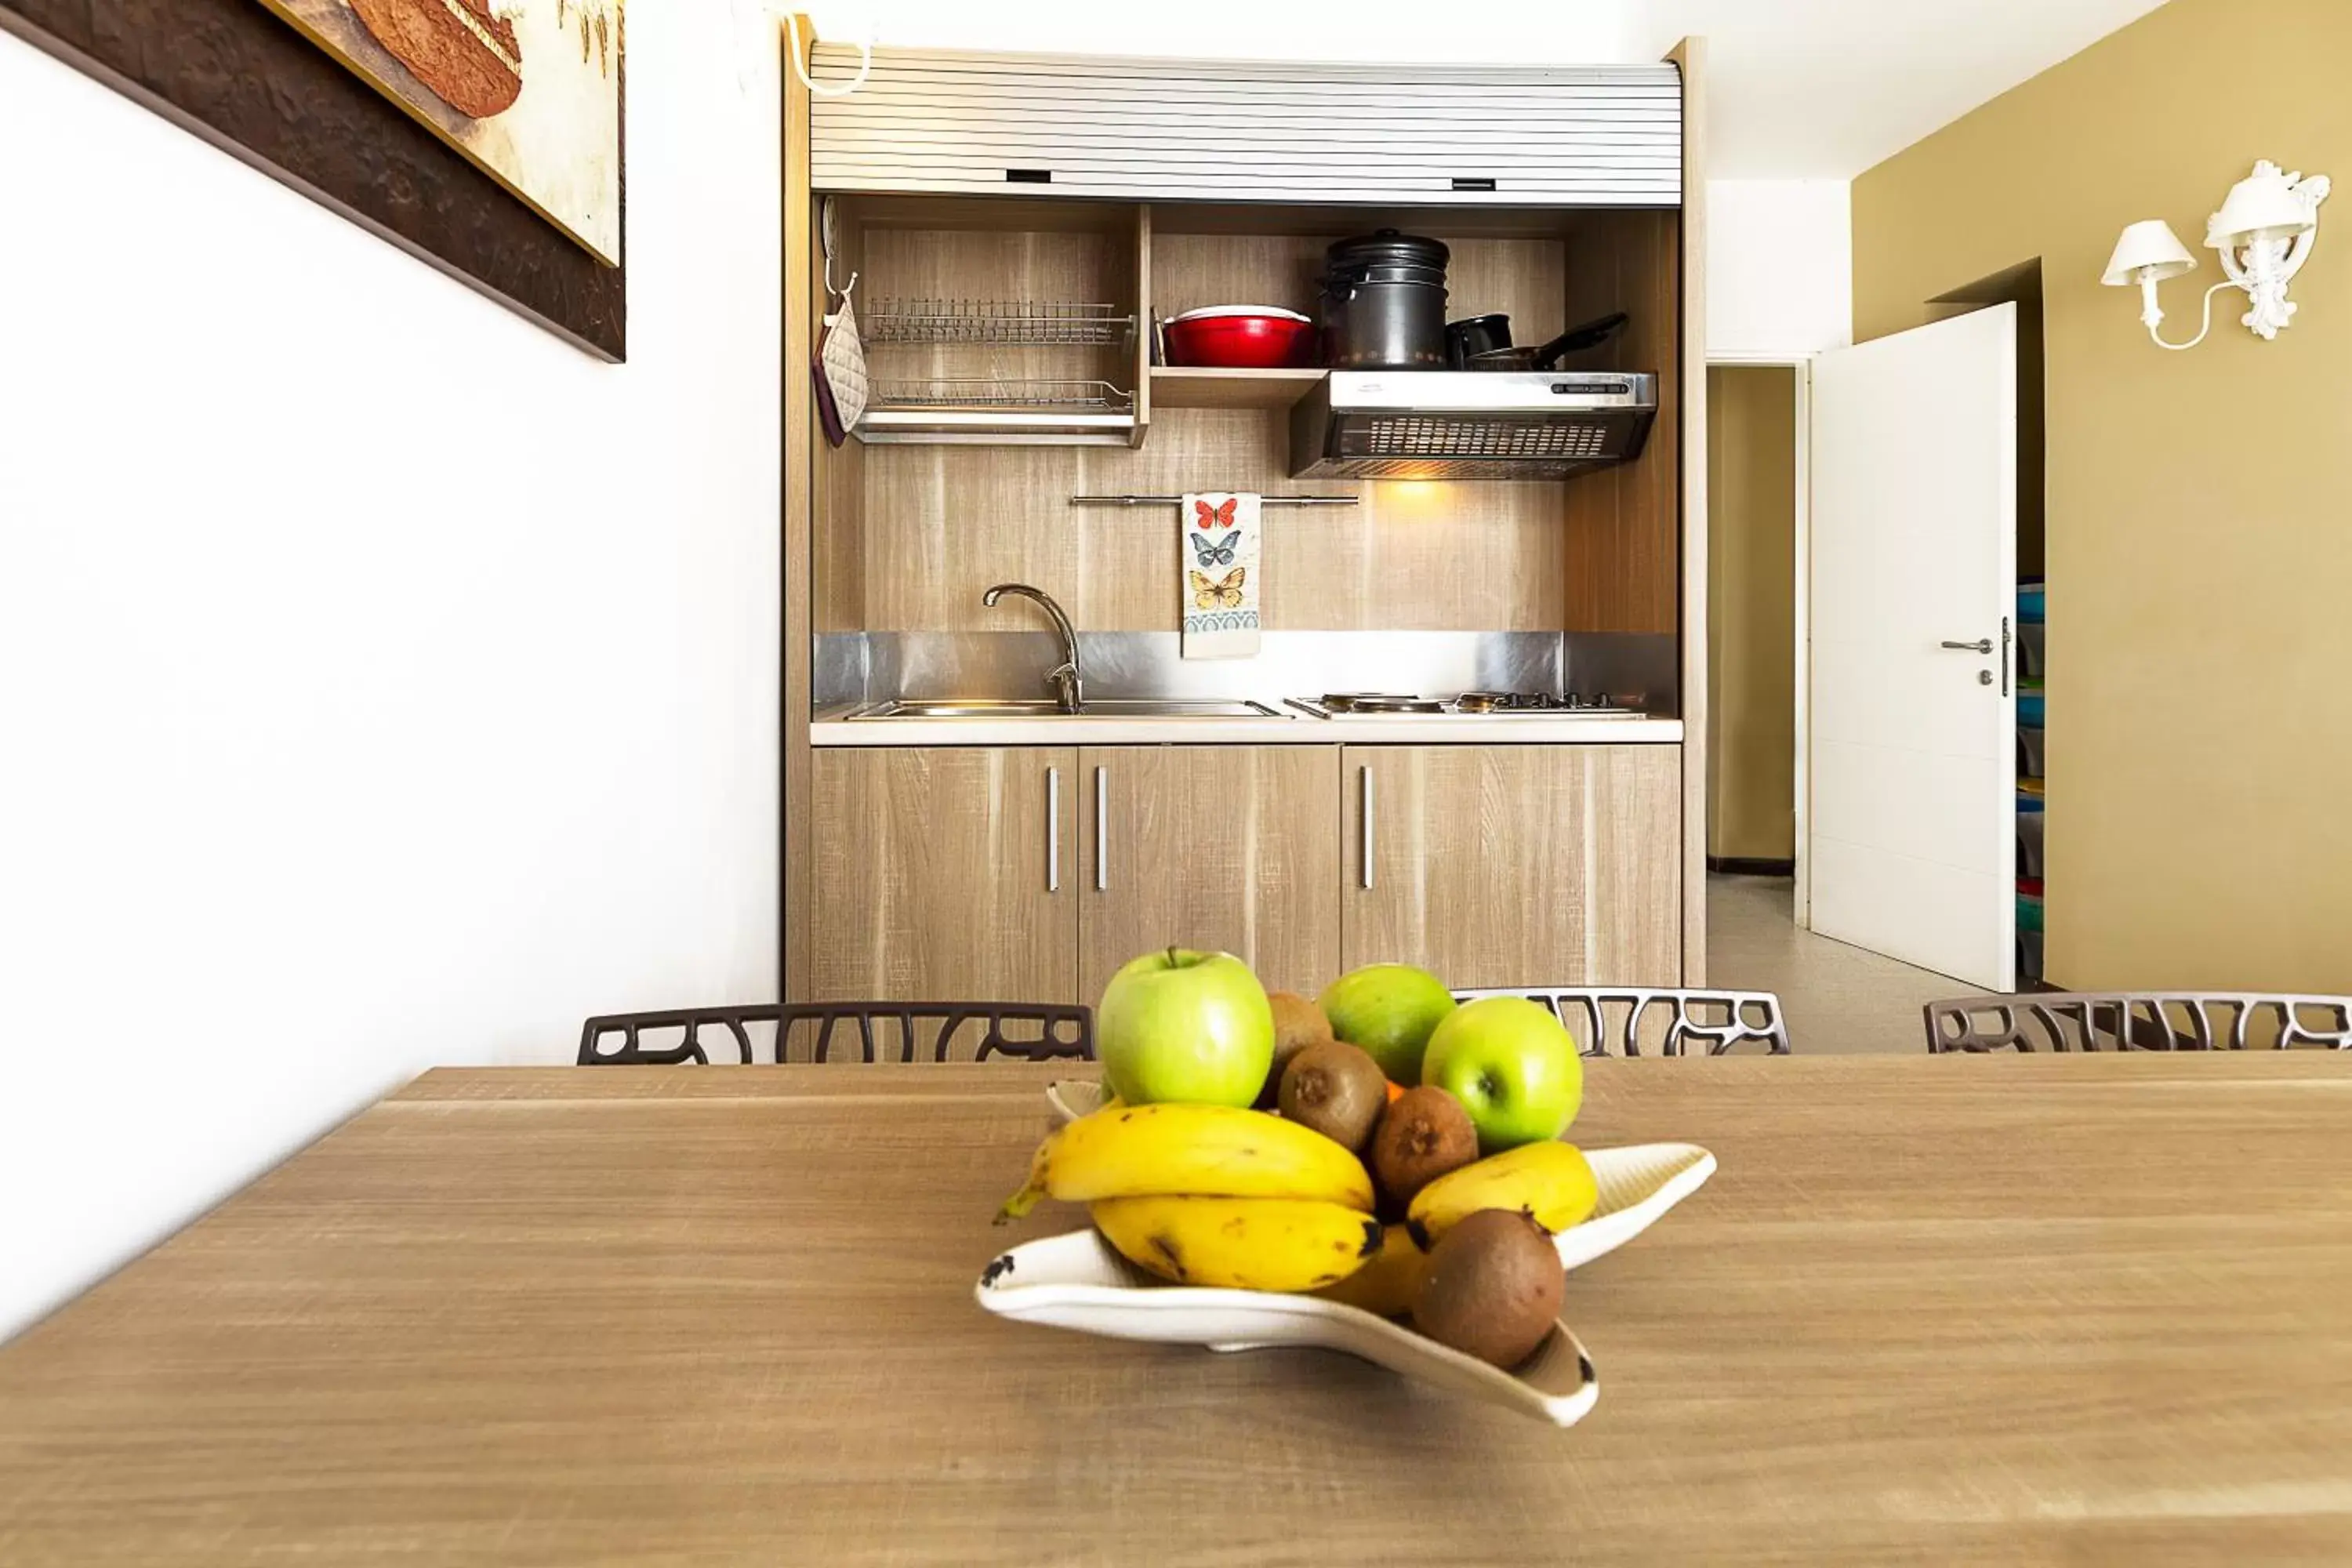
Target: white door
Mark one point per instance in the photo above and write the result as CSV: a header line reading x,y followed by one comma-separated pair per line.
x,y
1912,849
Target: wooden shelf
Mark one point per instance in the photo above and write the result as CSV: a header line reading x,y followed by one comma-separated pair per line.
x,y
1185,386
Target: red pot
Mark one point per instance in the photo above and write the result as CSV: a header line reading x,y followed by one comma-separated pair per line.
x,y
1254,337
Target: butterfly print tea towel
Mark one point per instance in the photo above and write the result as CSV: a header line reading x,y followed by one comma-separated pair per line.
x,y
1221,575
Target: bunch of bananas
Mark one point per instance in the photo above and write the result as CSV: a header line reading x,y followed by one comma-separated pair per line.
x,y
1208,1194
1204,1194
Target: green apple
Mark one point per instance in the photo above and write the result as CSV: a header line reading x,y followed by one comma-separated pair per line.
x,y
1387,1010
1512,1066
1193,1029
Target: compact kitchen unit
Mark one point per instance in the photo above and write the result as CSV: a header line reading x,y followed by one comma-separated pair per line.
x,y
1472,740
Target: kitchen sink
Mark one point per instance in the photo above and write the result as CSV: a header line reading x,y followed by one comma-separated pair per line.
x,y
960,707
1106,707
1178,708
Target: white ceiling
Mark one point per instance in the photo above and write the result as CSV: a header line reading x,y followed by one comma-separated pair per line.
x,y
1801,88
1827,88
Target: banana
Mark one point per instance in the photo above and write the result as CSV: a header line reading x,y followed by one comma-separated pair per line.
x,y
1200,1150
1550,1181
1247,1244
1386,1284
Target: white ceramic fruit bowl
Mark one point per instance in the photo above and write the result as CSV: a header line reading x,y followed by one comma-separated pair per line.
x,y
1076,1281
1638,1184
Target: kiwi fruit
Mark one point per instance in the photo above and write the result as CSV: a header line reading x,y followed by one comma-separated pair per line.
x,y
1299,1023
1337,1089
1491,1287
1424,1134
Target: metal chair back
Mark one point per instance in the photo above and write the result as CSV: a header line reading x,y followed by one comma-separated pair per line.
x,y
2139,1020
1022,1031
1621,1020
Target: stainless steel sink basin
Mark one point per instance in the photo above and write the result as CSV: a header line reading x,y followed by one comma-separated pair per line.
x,y
960,707
1106,707
1177,708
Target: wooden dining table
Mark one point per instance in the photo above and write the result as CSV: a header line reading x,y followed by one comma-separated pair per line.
x,y
2016,1310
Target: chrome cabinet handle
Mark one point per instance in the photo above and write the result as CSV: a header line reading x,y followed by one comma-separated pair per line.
x,y
1102,839
1053,830
2004,655
1982,645
1365,849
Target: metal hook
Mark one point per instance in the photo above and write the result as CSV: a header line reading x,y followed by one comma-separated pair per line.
x,y
865,60
824,242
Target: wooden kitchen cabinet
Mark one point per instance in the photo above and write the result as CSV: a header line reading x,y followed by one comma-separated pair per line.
x,y
1231,848
1049,240
944,874
956,122
1502,866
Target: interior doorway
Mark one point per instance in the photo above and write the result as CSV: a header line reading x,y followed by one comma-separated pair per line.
x,y
1757,492
2021,289
1838,998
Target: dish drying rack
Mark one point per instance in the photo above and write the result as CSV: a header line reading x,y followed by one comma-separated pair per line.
x,y
997,322
1004,391
999,410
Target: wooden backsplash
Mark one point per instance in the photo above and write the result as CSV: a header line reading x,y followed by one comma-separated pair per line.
x,y
941,523
904,538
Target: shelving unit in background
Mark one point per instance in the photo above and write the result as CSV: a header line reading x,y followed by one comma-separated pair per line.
x,y
2032,716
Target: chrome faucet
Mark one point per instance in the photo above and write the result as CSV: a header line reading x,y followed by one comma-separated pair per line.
x,y
1069,690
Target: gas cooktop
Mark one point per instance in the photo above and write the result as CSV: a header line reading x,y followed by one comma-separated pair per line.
x,y
1469,704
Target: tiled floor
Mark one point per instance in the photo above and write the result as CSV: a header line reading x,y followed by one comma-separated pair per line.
x,y
1838,1000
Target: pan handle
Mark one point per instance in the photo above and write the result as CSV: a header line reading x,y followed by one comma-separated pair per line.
x,y
1590,334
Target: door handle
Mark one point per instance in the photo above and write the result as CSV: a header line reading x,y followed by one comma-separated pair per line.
x,y
1982,645
1053,830
1365,849
1102,839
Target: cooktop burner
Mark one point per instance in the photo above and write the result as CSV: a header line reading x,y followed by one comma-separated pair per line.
x,y
1534,702
1480,704
1381,703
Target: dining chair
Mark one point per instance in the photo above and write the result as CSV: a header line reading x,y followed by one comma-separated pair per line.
x,y
1022,1031
2139,1021
1616,1020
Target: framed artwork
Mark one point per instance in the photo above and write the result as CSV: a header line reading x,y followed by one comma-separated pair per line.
x,y
528,90
484,137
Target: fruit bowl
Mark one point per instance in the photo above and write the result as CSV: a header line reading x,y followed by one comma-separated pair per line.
x,y
1076,1281
1637,1185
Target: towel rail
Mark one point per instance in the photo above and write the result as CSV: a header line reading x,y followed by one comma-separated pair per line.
x,y
1179,500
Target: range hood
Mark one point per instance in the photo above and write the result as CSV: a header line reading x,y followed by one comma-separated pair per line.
x,y
1469,424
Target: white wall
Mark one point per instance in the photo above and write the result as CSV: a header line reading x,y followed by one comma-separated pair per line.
x,y
382,682
1779,268
1509,31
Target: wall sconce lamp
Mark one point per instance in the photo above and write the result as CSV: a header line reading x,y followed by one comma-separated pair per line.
x,y
2264,235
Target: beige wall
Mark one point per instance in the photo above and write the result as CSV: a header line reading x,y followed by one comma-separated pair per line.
x,y
2200,504
1751,487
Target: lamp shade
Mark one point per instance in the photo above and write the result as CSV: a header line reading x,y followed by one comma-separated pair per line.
x,y
2265,205
2147,249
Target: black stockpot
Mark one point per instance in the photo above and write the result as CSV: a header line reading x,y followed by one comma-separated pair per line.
x,y
1383,303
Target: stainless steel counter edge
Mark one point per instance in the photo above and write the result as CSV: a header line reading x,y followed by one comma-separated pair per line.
x,y
831,729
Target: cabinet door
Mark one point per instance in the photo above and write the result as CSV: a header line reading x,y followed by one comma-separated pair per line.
x,y
1499,866
1241,130
1232,847
943,874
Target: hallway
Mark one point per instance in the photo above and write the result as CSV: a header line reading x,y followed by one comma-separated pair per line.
x,y
1838,1000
